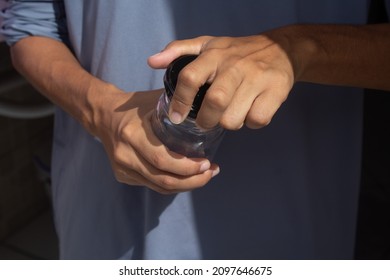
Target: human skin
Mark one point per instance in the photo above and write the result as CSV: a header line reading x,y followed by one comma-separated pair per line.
x,y
252,76
119,119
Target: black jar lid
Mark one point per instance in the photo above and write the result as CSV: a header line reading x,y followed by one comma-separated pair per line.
x,y
170,81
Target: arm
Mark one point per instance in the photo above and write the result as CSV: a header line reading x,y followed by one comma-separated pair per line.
x,y
355,56
119,119
252,76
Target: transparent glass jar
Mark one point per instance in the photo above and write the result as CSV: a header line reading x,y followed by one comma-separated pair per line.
x,y
185,138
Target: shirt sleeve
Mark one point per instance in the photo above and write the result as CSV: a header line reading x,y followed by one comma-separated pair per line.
x,y
22,18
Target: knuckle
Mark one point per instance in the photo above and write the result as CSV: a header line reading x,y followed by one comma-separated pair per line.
x,y
258,120
287,77
240,65
126,131
217,98
126,135
157,160
167,182
188,77
230,124
212,50
118,157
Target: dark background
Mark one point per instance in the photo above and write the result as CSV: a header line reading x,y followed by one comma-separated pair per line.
x,y
26,224
373,231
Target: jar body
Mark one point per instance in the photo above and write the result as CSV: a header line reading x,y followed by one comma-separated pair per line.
x,y
185,138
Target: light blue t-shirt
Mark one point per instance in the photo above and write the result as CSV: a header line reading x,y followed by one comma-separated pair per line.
x,y
287,191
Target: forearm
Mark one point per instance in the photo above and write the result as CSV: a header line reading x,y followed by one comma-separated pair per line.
x,y
340,55
252,76
51,67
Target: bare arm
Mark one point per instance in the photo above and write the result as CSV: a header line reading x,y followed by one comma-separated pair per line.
x,y
119,119
252,76
356,56
51,67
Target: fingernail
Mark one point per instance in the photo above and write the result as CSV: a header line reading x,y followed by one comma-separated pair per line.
x,y
215,172
176,117
205,166
156,54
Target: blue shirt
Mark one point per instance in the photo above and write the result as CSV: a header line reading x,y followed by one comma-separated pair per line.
x,y
288,191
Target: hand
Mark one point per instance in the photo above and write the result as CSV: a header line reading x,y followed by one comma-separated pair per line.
x,y
120,120
250,78
137,156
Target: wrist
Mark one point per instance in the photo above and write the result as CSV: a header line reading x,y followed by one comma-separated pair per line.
x,y
101,101
301,48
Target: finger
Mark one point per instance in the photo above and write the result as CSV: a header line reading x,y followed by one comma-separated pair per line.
x,y
169,161
161,181
175,183
218,97
133,178
149,147
175,49
161,158
263,109
241,103
190,79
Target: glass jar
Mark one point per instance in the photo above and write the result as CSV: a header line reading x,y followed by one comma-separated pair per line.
x,y
185,138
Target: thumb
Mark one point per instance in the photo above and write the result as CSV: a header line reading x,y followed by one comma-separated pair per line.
x,y
175,49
